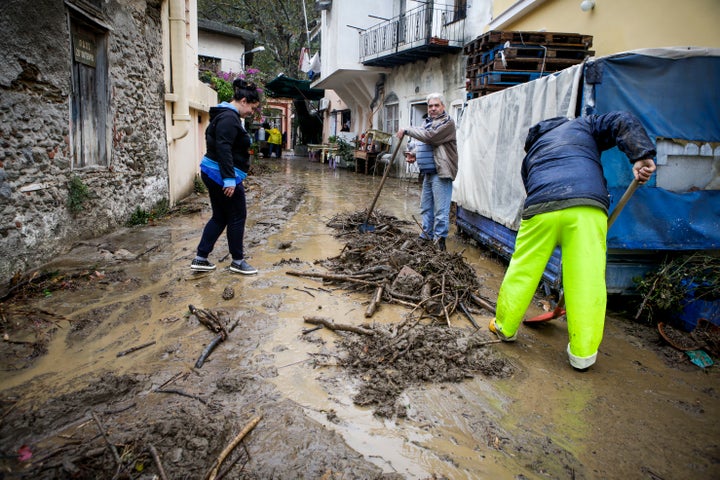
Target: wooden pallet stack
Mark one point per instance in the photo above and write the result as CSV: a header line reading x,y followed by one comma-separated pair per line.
x,y
500,59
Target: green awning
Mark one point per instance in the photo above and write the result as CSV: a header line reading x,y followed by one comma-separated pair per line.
x,y
286,87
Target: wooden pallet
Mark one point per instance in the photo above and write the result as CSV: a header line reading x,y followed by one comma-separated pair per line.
x,y
489,40
504,78
526,65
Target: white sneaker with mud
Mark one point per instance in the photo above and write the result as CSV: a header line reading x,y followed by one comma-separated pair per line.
x,y
202,265
242,267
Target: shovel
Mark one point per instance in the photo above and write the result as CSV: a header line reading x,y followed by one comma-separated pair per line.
x,y
559,310
370,228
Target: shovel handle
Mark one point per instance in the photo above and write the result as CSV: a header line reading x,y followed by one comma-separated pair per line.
x,y
623,200
382,182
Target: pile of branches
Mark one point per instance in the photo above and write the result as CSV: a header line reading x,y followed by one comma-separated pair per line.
x,y
441,284
677,282
350,223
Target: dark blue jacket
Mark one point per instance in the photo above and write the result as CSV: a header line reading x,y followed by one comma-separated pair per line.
x,y
227,141
563,156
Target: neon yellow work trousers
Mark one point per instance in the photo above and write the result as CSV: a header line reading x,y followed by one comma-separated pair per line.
x,y
581,233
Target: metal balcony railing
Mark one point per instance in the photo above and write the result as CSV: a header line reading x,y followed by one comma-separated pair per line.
x,y
420,33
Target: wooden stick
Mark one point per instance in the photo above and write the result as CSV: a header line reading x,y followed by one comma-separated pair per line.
x,y
208,350
374,302
483,303
107,441
135,349
156,458
467,314
328,323
216,465
330,276
180,392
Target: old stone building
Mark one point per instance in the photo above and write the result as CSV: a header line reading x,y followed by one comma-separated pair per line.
x,y
89,115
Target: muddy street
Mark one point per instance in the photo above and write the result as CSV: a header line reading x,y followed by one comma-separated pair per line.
x,y
643,411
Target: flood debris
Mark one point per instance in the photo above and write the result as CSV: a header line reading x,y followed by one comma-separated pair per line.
x,y
213,322
393,265
399,356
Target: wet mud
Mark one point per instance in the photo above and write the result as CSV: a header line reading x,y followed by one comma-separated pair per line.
x,y
418,399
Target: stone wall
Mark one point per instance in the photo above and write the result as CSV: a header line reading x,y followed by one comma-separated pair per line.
x,y
36,163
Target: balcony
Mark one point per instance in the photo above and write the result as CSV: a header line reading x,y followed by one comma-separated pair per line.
x,y
427,31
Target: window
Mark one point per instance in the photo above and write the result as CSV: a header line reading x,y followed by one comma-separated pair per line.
x,y
208,64
391,113
459,10
392,118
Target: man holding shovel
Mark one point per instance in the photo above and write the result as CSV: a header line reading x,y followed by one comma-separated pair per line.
x,y
567,204
437,157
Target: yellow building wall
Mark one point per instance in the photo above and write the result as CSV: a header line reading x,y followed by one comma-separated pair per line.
x,y
622,25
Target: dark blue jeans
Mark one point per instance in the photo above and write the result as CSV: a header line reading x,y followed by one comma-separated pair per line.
x,y
274,148
227,212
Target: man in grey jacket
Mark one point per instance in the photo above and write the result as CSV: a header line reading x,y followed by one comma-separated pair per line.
x,y
436,154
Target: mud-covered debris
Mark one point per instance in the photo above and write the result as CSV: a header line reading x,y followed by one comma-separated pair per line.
x,y
409,269
228,293
350,222
399,356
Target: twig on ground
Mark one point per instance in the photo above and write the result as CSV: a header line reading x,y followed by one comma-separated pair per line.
x,y
107,441
158,464
180,392
212,474
328,323
135,349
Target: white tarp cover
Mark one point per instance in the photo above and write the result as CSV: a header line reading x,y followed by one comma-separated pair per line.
x,y
491,136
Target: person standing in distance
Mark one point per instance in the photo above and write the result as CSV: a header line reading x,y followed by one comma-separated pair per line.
x,y
435,151
567,205
223,169
274,141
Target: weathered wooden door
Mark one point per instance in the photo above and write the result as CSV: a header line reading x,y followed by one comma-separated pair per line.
x,y
89,103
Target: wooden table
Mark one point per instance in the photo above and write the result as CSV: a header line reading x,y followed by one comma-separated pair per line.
x,y
367,158
324,151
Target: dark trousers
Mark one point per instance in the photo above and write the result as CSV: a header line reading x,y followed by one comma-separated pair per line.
x,y
274,147
227,212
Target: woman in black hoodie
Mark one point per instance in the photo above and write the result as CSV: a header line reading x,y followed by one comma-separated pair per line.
x,y
222,169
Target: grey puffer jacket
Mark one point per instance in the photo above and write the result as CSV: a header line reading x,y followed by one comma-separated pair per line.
x,y
440,133
563,156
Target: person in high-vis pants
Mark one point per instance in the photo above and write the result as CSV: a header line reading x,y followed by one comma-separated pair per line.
x,y
567,205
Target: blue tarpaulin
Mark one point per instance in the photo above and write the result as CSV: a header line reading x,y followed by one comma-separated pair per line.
x,y
678,98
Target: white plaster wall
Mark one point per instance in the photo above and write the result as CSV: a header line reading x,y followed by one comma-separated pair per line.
x,y
229,50
341,44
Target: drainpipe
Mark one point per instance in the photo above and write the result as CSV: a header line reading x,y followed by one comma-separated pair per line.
x,y
179,96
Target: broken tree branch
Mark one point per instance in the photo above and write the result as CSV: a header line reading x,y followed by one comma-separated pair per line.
x,y
328,323
330,276
374,302
218,462
158,464
483,303
107,441
180,392
467,314
208,350
135,349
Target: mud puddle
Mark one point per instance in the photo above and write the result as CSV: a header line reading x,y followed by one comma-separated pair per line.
x,y
641,412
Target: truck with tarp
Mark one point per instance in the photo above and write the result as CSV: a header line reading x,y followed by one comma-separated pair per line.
x,y
673,91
